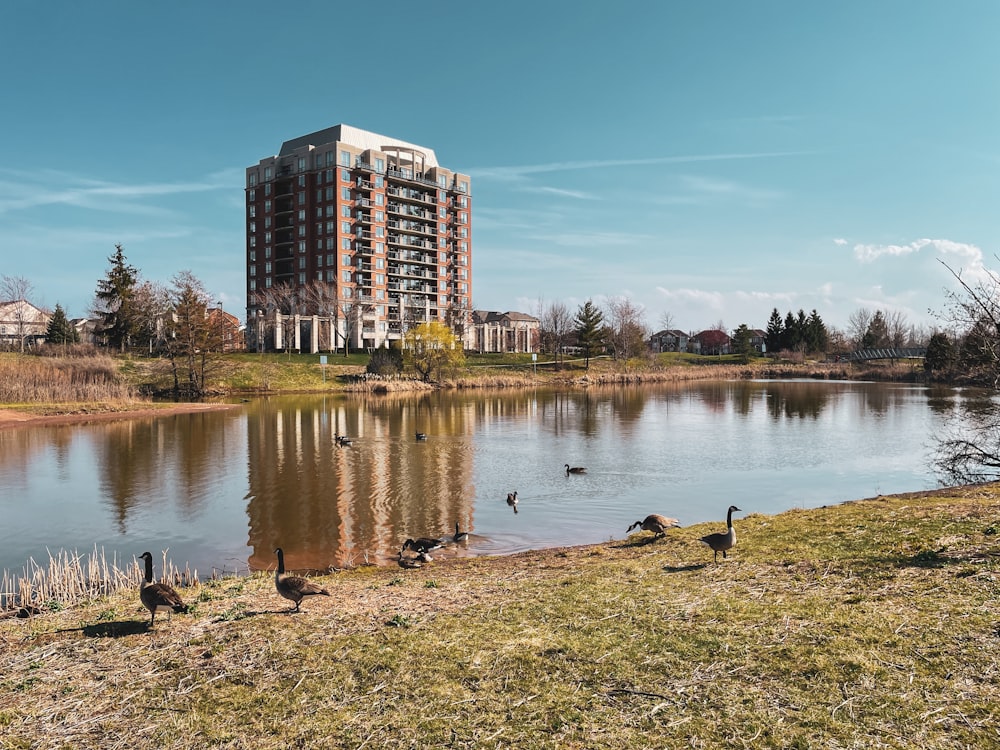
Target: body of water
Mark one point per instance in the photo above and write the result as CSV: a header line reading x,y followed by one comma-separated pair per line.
x,y
221,490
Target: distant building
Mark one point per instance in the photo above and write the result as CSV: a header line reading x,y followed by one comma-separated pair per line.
x,y
22,325
668,340
229,327
712,341
359,231
494,332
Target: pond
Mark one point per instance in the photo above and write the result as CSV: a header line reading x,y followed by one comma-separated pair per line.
x,y
221,490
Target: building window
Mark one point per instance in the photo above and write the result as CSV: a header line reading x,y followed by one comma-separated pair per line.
x,y
345,211
379,278
253,285
345,275
345,243
267,282
331,210
380,263
267,267
253,270
345,158
329,163
331,276
463,187
379,181
347,292
379,247
267,174
302,214
346,260
379,294
379,165
253,240
463,201
345,175
463,218
267,189
267,251
251,182
267,222
331,227
302,230
345,227
267,207
302,279
302,261
302,198
442,213
253,227
253,211
345,193
379,199
253,255
302,245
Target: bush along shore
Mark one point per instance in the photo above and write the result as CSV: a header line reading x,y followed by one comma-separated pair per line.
x,y
868,624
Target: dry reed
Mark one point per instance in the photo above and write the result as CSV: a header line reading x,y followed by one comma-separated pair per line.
x,y
27,379
70,577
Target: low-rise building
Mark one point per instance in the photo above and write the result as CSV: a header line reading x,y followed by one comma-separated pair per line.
x,y
501,332
22,324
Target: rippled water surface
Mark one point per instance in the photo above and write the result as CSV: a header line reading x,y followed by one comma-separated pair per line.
x,y
223,489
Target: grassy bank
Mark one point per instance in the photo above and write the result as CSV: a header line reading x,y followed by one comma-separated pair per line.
x,y
871,624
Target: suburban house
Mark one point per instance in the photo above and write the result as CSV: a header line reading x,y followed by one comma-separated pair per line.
x,y
758,340
712,341
229,329
22,325
499,332
668,340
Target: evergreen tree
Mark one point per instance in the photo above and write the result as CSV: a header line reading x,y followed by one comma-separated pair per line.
x,y
115,301
817,337
742,342
940,352
877,335
772,339
589,324
60,330
790,336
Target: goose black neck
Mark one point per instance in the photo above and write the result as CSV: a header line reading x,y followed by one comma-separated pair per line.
x,y
281,560
149,569
729,517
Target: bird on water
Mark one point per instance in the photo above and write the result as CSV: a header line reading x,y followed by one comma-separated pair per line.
x,y
512,500
723,542
575,470
158,597
294,588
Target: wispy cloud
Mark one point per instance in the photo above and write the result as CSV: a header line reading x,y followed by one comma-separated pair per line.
x,y
839,241
578,194
20,191
520,172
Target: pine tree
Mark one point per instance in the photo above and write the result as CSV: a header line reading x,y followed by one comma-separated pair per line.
x,y
772,339
589,324
60,330
817,337
115,303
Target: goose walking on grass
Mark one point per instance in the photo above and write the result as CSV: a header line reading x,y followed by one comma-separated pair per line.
x,y
460,536
575,470
656,523
512,500
158,597
294,588
723,542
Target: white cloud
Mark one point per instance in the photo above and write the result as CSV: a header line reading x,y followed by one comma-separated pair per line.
x,y
578,194
839,241
870,253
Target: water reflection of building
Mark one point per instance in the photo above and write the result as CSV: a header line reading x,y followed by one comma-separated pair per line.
x,y
329,505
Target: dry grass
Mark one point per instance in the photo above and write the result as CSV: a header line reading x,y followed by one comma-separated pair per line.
x,y
871,624
30,379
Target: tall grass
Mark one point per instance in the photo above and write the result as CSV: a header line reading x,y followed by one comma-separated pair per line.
x,y
70,577
30,379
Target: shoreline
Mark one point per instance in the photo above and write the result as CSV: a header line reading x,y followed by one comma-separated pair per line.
x,y
14,418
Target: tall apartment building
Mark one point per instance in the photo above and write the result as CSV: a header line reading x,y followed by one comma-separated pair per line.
x,y
355,235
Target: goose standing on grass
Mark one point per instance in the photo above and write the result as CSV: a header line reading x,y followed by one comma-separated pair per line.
x,y
422,546
460,536
656,523
575,470
294,588
720,542
158,597
512,500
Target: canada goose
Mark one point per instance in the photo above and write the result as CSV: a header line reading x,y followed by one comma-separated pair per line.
x,y
512,500
460,536
720,542
575,470
421,435
158,597
656,523
294,588
421,546
342,440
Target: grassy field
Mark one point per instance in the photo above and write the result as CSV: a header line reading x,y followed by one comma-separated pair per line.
x,y
871,624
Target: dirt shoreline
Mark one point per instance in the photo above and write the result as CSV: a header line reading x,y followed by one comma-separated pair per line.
x,y
12,418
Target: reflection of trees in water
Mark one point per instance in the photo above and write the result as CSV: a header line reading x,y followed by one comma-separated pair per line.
x,y
968,448
138,458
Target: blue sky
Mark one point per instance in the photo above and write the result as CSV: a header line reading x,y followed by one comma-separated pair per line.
x,y
710,160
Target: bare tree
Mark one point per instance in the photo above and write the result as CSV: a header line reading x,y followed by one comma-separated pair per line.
x,y
556,322
321,299
15,290
627,327
190,337
858,324
898,327
666,320
354,309
150,303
